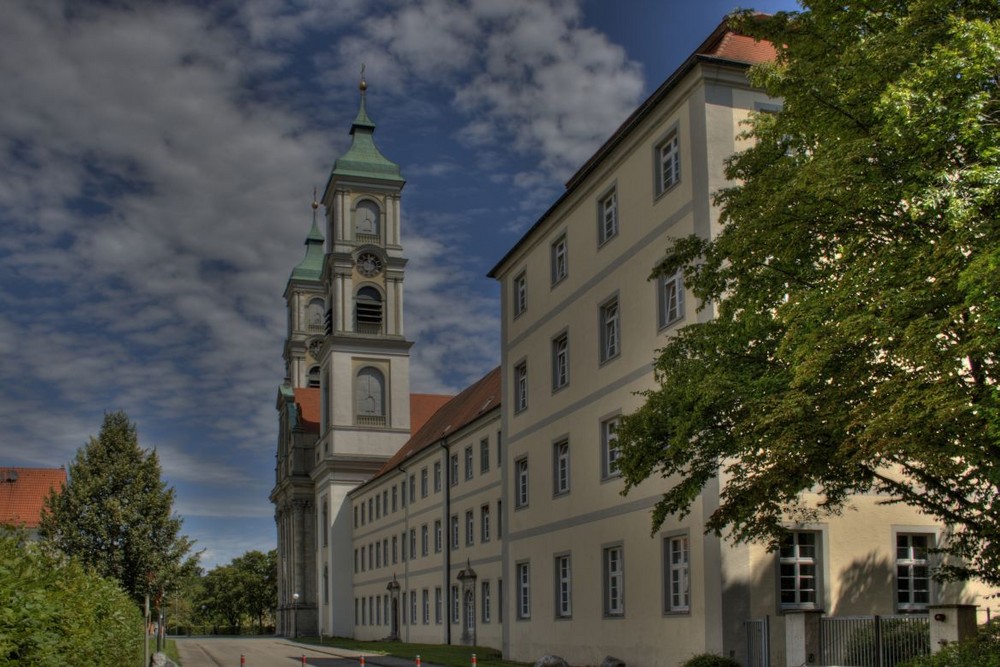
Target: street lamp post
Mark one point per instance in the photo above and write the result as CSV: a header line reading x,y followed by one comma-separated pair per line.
x,y
295,615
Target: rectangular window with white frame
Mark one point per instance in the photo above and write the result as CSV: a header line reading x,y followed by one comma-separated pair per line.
x,y
913,568
670,299
560,467
424,540
437,476
454,604
454,531
520,293
668,163
614,581
521,386
470,528
484,455
560,361
523,574
427,606
609,448
677,575
468,462
611,330
798,570
413,607
484,523
453,469
437,536
413,543
560,259
485,598
607,217
423,482
564,587
438,602
521,483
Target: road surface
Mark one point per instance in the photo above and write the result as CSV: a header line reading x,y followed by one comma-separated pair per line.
x,y
260,652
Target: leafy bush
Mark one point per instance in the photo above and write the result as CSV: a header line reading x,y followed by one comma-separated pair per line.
x,y
981,651
710,660
901,640
53,612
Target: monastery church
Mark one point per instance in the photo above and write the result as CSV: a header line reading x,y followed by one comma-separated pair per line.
x,y
494,518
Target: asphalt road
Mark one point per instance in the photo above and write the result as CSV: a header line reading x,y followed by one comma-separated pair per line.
x,y
259,652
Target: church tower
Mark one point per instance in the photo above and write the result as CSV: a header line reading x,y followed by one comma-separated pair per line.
x,y
294,494
364,357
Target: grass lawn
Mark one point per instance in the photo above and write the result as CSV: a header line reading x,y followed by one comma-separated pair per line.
x,y
170,648
437,654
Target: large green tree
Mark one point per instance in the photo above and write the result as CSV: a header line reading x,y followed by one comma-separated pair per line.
x,y
115,513
244,589
855,286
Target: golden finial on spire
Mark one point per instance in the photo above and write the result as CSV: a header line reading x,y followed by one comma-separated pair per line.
x,y
363,86
315,204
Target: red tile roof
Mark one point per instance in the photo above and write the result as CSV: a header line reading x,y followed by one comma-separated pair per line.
x,y
307,398
739,48
422,406
458,412
23,491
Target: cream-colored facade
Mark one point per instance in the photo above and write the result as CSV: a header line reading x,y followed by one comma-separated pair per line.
x,y
427,530
581,325
500,521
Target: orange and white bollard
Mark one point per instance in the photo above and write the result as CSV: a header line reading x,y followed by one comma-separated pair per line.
x,y
243,660
473,660
362,661
418,660
303,659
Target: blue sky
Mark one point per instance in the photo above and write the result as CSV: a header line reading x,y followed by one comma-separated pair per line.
x,y
157,163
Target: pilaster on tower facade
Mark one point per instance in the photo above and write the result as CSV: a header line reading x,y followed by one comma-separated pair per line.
x,y
347,384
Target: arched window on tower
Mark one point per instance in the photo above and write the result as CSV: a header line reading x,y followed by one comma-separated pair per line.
x,y
368,311
367,217
369,397
314,313
313,379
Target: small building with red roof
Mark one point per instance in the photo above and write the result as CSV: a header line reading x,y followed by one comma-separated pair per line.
x,y
23,492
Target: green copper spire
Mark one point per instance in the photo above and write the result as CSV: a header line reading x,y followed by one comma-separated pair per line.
x,y
311,266
363,159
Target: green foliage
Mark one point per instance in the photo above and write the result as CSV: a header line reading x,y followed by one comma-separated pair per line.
x,y
856,334
981,651
115,514
245,589
709,660
54,612
900,639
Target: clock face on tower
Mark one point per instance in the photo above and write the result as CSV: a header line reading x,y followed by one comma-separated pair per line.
x,y
369,264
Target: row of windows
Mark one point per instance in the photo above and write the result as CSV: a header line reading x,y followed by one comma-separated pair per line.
x,y
668,173
800,571
561,471
383,504
677,590
385,552
799,567
369,311
670,309
375,610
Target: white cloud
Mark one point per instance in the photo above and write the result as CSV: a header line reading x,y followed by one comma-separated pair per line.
x,y
157,168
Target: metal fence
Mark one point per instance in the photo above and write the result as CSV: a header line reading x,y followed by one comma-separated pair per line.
x,y
758,633
873,641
